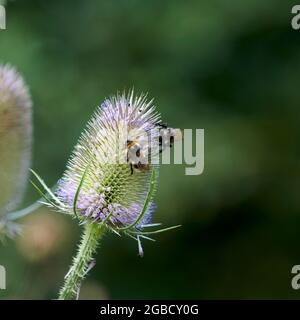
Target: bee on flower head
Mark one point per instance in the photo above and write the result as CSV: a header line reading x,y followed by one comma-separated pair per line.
x,y
168,136
138,149
136,158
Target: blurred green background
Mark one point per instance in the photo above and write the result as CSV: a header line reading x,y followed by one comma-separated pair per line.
x,y
230,67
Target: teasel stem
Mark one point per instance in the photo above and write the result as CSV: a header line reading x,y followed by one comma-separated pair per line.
x,y
93,232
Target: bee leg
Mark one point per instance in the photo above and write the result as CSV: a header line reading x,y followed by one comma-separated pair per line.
x,y
163,125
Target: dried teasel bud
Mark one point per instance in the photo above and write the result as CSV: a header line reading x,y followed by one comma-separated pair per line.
x,y
15,138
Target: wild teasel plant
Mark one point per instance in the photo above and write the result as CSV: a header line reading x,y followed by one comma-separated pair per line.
x,y
109,184
15,144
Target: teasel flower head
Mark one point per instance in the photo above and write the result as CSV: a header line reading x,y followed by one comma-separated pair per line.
x,y
15,138
112,174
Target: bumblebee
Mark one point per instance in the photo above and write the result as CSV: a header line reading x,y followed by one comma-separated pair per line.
x,y
137,158
168,136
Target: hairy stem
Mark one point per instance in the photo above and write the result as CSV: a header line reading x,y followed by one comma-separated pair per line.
x,y
93,232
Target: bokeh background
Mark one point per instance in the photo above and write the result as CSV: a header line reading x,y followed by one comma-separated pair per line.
x,y
230,67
